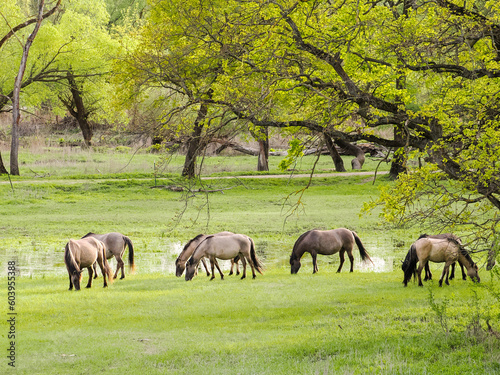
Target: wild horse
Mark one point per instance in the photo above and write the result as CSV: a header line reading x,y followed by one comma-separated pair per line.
x,y
116,243
84,253
437,250
224,247
190,247
428,274
326,242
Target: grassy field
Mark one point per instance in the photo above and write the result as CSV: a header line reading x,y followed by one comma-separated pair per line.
x,y
153,322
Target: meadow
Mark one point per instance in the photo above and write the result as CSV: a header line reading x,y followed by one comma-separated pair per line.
x,y
326,323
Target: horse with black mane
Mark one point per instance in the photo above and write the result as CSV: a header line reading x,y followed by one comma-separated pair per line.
x,y
84,253
327,242
453,237
190,247
116,243
224,247
438,250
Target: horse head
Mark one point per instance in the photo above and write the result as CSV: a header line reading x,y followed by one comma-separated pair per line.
x,y
294,264
179,267
191,266
472,272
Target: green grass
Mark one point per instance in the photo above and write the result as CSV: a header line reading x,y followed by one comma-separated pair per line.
x,y
66,162
276,324
358,323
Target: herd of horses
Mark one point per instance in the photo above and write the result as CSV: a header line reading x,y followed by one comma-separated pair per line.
x,y
94,250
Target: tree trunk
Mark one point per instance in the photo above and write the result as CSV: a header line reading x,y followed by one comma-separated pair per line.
x,y
194,143
263,139
337,160
79,112
3,170
397,164
16,114
358,153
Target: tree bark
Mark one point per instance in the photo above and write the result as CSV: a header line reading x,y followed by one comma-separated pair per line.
x,y
16,115
337,160
397,164
79,112
194,143
3,170
263,157
351,149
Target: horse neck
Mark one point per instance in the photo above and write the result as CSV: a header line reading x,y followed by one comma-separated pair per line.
x,y
466,260
298,252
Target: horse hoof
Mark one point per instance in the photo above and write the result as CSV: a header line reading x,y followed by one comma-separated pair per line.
x,y
242,277
121,278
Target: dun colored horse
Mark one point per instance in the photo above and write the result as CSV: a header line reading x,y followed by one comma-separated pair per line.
x,y
326,242
428,274
190,247
224,247
84,253
116,243
437,250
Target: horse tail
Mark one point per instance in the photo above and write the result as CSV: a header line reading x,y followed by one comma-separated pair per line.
x,y
70,261
410,264
131,263
258,265
362,250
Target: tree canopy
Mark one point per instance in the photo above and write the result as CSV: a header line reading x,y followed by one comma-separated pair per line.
x,y
419,77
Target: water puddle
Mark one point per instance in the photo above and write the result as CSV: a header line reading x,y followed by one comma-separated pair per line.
x,y
158,256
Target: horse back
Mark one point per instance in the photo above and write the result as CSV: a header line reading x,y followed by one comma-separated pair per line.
x,y
226,247
437,250
330,242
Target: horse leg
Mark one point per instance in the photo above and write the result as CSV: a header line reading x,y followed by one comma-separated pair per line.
x,y
341,256
421,266
464,275
70,283
428,274
315,262
252,266
234,262
351,259
91,271
244,263
206,267
212,266
220,272
95,270
452,272
446,270
118,260
121,264
104,271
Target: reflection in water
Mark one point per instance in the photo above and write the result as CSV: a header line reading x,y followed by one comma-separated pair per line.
x,y
158,256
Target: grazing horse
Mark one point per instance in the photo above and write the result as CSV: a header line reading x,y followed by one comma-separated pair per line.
x,y
428,274
437,250
224,247
326,242
190,247
116,244
84,253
